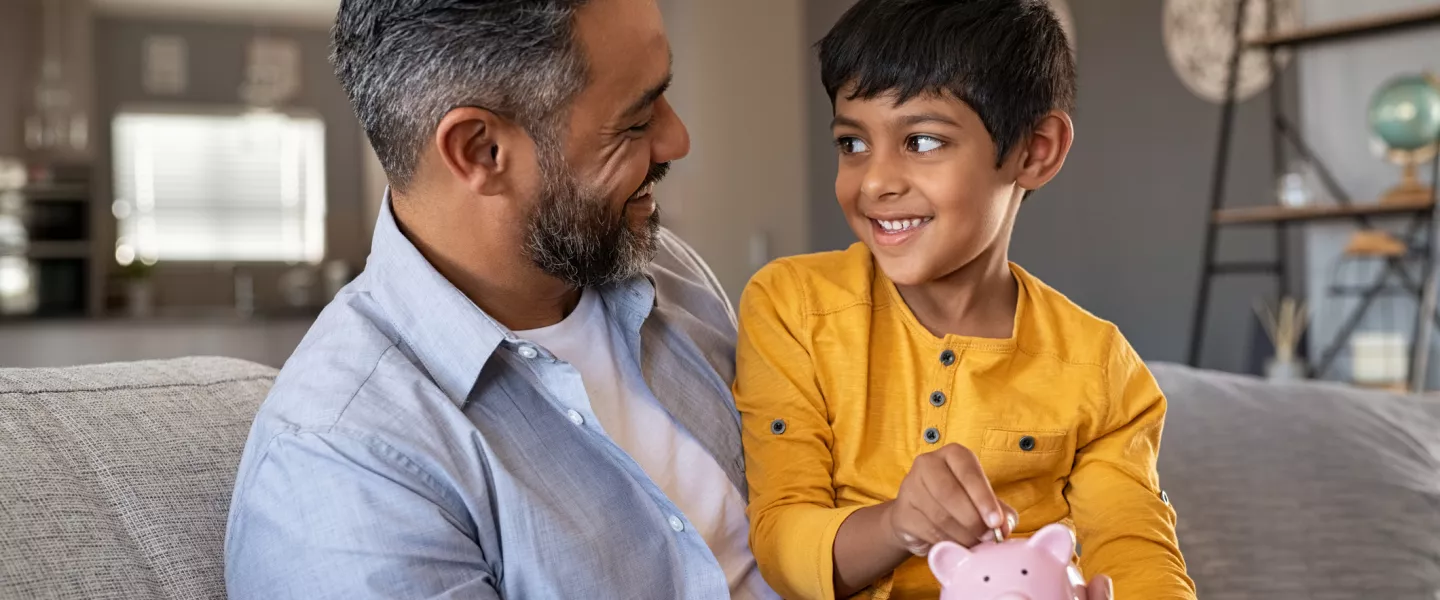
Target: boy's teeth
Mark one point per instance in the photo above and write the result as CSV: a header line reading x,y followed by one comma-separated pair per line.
x,y
901,225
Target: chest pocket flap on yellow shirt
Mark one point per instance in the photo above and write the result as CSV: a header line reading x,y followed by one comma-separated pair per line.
x,y
1026,466
1014,455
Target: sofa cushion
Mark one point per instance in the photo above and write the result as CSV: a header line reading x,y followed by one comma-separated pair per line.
x,y
116,479
1302,491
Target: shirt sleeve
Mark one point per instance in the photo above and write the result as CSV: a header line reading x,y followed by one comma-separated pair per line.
x,y
329,515
787,437
1125,526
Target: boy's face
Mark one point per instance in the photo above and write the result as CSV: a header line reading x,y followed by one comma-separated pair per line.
x,y
919,185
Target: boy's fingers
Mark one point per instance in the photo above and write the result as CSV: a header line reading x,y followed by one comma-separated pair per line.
x,y
938,506
966,469
1100,588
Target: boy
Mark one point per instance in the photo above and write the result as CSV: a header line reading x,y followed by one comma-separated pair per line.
x,y
915,387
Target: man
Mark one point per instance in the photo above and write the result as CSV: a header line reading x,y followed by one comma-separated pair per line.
x,y
526,394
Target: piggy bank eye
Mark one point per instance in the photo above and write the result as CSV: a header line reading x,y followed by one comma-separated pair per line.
x,y
987,579
1024,571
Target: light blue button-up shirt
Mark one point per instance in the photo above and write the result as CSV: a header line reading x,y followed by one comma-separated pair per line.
x,y
413,447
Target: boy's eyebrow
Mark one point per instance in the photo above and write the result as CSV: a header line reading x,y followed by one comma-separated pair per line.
x,y
903,121
912,120
844,121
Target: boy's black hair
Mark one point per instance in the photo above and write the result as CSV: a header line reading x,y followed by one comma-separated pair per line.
x,y
1008,60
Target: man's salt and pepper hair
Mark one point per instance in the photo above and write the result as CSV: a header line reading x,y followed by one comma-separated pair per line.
x,y
405,63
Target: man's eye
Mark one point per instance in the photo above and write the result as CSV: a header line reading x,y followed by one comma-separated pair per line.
x,y
923,144
641,128
851,145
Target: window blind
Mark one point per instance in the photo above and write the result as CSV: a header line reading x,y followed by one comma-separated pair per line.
x,y
225,188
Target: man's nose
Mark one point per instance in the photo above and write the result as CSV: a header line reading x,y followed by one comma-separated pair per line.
x,y
672,139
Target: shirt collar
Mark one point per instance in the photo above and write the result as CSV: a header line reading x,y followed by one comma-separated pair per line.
x,y
451,336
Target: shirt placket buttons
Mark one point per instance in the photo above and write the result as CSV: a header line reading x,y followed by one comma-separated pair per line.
x,y
937,399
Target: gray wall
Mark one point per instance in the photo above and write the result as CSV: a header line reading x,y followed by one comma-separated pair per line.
x,y
217,63
1337,81
1120,230
21,49
19,61
828,229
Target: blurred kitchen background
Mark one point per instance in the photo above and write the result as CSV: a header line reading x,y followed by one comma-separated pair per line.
x,y
182,177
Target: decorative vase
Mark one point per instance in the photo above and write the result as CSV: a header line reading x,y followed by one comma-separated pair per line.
x,y
1286,370
140,298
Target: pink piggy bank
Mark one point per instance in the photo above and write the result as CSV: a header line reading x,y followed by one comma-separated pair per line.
x,y
1021,569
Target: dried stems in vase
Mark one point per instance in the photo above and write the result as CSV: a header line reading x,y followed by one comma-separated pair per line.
x,y
1284,327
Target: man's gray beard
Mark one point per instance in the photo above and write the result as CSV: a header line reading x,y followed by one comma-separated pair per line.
x,y
575,237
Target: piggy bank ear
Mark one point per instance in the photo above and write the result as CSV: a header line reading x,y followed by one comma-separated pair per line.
x,y
1055,540
945,557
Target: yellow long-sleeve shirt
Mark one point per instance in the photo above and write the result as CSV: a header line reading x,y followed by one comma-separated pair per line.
x,y
840,388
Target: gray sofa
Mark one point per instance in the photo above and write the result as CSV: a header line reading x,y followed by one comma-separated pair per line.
x,y
114,482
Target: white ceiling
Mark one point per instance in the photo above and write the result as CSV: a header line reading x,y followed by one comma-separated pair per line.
x,y
316,13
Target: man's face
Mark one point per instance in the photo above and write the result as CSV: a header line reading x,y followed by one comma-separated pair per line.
x,y
596,220
919,186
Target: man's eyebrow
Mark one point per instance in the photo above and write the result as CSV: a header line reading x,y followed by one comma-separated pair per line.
x,y
649,97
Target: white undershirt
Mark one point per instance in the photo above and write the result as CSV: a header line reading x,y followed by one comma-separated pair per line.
x,y
629,413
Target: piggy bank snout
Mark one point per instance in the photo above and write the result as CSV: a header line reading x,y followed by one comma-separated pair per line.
x,y
1013,596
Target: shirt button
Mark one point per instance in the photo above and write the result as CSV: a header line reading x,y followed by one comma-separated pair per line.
x,y
575,417
932,435
1027,443
529,351
937,399
947,358
676,524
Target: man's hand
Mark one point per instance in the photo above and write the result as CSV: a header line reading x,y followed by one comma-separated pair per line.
x,y
1100,588
946,497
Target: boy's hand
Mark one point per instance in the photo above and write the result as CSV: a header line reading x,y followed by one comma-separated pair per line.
x,y
946,497
1100,588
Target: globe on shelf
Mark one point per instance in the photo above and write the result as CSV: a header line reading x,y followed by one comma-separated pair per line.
x,y
1405,117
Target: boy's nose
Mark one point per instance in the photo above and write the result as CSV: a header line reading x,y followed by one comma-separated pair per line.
x,y
882,178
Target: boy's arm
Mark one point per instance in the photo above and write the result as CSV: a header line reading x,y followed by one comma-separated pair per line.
x,y
787,436
1126,528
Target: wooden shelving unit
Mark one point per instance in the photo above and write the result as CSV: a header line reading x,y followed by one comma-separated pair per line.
x,y
1266,215
1351,28
1421,215
55,216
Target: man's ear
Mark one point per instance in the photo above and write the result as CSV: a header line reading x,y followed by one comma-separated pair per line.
x,y
1045,150
480,148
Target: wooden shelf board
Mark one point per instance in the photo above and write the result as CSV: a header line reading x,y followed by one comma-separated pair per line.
x,y
1284,214
1351,28
70,191
47,249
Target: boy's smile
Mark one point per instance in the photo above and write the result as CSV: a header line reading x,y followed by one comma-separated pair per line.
x,y
919,184
894,231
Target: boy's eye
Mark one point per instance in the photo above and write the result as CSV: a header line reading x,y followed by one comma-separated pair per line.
x,y
923,144
851,145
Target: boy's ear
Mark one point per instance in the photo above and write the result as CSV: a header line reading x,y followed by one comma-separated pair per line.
x,y
481,149
1045,150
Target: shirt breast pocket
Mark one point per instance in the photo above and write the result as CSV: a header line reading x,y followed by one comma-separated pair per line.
x,y
1027,467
